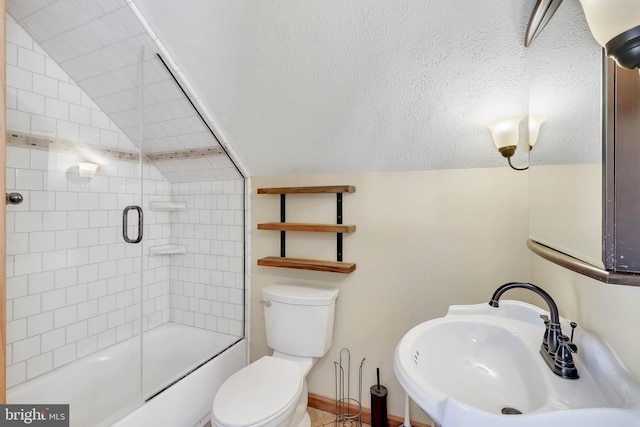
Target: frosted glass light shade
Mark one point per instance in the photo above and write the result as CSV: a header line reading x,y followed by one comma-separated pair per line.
x,y
506,132
615,24
534,129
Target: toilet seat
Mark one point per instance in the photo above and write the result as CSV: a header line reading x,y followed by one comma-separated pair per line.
x,y
259,394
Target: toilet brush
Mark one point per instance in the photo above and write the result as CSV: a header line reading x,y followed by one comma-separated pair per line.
x,y
379,392
407,420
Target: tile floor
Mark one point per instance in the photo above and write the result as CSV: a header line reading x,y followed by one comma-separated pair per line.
x,y
318,419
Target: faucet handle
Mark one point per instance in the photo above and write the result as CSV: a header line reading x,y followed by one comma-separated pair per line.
x,y
563,360
545,337
563,341
565,348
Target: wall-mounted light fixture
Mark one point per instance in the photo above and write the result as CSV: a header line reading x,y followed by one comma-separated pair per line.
x,y
87,170
542,13
535,122
506,134
615,24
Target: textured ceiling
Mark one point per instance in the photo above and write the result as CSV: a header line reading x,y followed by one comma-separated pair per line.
x,y
565,85
340,86
349,86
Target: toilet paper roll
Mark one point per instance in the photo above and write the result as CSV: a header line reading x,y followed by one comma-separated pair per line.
x,y
379,406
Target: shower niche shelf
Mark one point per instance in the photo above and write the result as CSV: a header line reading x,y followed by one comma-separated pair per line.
x,y
339,228
168,206
167,250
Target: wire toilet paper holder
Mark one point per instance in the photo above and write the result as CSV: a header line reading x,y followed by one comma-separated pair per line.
x,y
348,409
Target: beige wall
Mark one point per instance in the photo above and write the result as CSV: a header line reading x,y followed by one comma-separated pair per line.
x,y
424,241
565,209
610,311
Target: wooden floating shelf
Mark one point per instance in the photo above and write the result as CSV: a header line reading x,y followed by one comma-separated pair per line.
x,y
308,264
308,190
283,226
322,228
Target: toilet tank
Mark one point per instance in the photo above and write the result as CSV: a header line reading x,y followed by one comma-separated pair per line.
x,y
299,319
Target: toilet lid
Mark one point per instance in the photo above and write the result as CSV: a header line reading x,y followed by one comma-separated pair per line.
x,y
258,392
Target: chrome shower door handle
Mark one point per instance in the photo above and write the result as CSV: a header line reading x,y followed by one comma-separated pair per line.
x,y
125,224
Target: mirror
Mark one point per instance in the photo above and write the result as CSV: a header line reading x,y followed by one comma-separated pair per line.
x,y
565,181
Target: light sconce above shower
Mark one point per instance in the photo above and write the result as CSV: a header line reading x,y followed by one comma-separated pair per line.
x,y
87,170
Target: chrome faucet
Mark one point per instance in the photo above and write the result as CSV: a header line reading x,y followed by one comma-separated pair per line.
x,y
556,348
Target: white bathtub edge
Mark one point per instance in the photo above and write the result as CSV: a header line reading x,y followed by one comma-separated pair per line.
x,y
190,400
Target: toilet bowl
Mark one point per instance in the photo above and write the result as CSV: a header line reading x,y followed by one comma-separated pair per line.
x,y
272,391
266,394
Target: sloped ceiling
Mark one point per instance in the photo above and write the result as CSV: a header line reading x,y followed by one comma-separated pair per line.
x,y
106,50
378,85
357,86
350,86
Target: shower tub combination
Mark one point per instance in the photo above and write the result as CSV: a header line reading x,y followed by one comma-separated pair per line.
x,y
145,335
101,389
129,331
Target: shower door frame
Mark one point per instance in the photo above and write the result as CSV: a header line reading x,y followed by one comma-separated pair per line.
x,y
3,271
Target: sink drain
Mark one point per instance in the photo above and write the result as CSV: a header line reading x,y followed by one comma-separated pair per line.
x,y
507,410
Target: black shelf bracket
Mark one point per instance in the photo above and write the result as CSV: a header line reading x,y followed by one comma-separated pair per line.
x,y
339,221
283,217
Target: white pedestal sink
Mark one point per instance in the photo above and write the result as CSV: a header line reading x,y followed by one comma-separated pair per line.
x,y
480,366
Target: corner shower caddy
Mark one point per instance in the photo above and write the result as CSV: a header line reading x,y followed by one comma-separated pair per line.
x,y
309,264
167,206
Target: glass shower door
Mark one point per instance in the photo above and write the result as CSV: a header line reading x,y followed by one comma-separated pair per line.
x,y
193,259
125,263
74,306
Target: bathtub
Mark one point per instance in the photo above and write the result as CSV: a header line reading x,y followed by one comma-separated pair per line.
x,y
103,389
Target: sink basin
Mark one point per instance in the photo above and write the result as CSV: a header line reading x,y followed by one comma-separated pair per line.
x,y
480,366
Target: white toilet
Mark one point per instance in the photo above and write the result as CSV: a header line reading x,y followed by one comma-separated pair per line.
x,y
272,391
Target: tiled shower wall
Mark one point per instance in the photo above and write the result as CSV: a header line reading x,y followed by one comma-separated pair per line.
x,y
207,284
73,284
43,100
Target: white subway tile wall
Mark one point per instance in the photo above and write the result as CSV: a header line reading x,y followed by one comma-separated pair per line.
x,y
207,283
73,285
43,100
105,65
